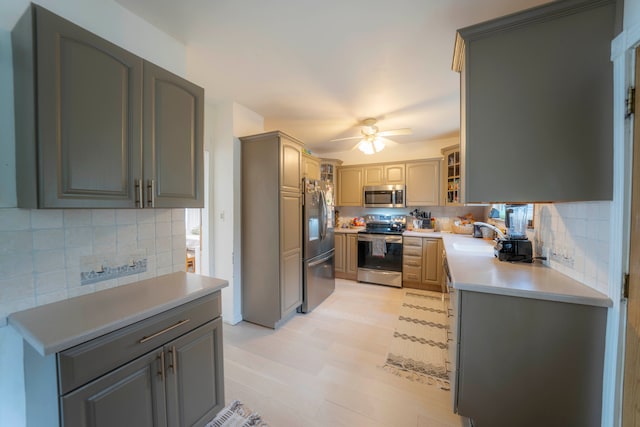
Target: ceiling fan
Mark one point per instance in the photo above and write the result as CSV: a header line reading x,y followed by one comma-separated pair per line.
x,y
371,139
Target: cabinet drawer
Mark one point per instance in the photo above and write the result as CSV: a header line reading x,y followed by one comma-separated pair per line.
x,y
412,261
412,250
412,242
411,274
78,365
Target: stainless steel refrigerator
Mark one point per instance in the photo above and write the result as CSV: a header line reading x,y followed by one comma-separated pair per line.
x,y
318,256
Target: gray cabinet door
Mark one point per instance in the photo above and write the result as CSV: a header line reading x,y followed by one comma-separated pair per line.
x,y
173,140
133,395
536,119
290,253
89,95
195,381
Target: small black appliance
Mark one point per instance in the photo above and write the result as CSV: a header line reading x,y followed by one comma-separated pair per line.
x,y
514,250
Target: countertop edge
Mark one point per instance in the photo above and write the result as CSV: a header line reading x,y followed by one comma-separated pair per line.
x,y
545,296
19,321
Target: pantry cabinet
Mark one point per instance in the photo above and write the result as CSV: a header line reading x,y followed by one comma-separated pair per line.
x,y
271,228
423,183
350,186
422,263
98,126
536,121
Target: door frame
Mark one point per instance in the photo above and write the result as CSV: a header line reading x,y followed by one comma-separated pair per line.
x,y
630,405
623,57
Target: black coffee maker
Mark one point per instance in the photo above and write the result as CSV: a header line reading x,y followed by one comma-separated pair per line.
x,y
515,246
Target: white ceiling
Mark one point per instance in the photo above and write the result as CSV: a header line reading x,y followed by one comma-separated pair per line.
x,y
314,69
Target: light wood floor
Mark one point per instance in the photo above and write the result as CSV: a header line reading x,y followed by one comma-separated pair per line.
x,y
324,368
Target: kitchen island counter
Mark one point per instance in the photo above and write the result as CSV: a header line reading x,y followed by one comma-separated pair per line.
x,y
60,325
473,267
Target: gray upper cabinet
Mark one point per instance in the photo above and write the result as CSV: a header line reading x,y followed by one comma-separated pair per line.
x,y
536,99
173,139
83,106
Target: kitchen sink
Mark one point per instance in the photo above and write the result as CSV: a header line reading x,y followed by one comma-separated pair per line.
x,y
478,248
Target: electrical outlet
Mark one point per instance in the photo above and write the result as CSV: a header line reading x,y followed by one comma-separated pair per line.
x,y
562,256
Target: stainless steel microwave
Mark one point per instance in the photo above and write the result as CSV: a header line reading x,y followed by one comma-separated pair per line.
x,y
384,196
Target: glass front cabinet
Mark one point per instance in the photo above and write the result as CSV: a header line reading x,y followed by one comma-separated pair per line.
x,y
451,169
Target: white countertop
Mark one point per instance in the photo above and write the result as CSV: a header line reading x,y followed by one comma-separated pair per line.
x,y
60,325
415,233
474,268
348,230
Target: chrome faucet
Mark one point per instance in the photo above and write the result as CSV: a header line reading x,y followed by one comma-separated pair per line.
x,y
493,227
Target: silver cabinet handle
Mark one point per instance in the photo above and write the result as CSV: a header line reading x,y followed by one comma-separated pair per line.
x,y
174,359
151,193
150,337
160,359
138,191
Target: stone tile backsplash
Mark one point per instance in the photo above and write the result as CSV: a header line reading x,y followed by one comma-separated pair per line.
x,y
575,238
44,253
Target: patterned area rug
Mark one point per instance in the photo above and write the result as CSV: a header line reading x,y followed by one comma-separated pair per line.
x,y
418,350
236,414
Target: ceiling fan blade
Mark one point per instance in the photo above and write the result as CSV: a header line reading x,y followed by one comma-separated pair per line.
x,y
405,131
344,139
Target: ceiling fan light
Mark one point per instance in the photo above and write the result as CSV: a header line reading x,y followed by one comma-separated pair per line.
x,y
378,145
366,147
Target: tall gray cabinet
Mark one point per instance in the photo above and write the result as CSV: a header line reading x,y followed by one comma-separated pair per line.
x,y
271,228
536,104
99,127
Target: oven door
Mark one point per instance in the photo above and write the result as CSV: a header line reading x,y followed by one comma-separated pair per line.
x,y
380,259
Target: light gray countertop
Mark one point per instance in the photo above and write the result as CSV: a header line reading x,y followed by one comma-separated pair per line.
x,y
60,325
473,267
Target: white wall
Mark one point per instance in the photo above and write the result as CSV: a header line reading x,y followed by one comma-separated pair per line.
x,y
43,252
224,122
394,152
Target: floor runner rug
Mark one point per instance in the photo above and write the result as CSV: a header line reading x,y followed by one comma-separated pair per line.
x,y
418,349
236,414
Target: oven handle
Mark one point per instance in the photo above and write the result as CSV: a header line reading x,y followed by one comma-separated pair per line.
x,y
372,237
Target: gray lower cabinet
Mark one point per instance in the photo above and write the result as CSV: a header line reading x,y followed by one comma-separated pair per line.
x,y
166,370
527,362
99,127
271,228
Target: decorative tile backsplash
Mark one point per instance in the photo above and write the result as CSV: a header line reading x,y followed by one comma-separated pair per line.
x,y
108,273
49,255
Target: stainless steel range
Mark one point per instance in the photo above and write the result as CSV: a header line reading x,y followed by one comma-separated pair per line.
x,y
380,250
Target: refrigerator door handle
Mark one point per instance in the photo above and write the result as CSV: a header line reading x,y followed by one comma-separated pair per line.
x,y
321,260
324,215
